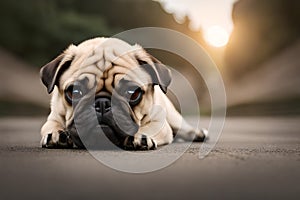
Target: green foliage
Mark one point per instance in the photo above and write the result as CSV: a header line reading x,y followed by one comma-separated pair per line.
x,y
38,29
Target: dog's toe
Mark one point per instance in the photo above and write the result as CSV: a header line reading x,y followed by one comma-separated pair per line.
x,y
60,139
147,143
128,143
48,141
45,140
205,132
65,140
154,145
201,135
139,142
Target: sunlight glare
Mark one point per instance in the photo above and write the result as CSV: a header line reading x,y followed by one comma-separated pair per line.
x,y
216,36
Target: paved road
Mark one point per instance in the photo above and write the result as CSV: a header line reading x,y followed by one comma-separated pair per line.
x,y
256,158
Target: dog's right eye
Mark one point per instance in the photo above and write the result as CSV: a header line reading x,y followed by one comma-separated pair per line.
x,y
134,95
73,93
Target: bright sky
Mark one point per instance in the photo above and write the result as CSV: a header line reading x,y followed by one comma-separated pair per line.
x,y
204,13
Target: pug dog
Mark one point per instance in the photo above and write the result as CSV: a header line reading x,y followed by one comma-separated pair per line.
x,y
105,86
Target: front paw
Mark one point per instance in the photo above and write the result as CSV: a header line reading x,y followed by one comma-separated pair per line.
x,y
60,140
201,135
139,142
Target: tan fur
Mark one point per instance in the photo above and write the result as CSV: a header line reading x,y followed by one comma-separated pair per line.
x,y
105,62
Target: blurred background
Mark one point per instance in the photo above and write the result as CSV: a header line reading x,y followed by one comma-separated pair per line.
x,y
255,44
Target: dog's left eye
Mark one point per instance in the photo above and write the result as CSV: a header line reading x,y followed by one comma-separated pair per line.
x,y
134,95
73,93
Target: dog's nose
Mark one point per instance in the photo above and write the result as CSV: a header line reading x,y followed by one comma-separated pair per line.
x,y
102,105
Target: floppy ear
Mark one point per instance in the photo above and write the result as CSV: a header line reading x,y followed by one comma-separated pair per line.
x,y
160,74
51,72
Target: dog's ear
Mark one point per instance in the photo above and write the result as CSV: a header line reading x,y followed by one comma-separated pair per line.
x,y
51,72
160,74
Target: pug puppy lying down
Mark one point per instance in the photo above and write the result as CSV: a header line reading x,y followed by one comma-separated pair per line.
x,y
120,85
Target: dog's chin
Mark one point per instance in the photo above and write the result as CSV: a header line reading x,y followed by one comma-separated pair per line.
x,y
102,136
96,139
108,129
111,134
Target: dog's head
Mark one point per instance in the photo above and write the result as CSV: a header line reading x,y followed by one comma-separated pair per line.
x,y
108,77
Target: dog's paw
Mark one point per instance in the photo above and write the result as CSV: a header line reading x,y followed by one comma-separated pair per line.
x,y
59,139
201,135
139,142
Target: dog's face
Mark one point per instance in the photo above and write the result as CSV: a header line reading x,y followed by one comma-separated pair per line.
x,y
106,78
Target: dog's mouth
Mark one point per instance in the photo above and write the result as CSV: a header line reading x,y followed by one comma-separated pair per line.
x,y
111,134
105,119
96,138
114,123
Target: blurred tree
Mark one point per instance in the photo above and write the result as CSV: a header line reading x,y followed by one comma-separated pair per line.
x,y
37,30
262,29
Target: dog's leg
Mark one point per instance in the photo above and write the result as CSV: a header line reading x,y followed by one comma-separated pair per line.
x,y
53,131
154,132
54,136
180,127
146,139
162,122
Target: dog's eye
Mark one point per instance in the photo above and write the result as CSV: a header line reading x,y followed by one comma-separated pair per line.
x,y
134,96
73,93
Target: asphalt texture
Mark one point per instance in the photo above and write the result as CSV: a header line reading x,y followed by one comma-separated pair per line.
x,y
255,158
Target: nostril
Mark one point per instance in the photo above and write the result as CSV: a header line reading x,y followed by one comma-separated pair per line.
x,y
102,105
97,108
107,105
